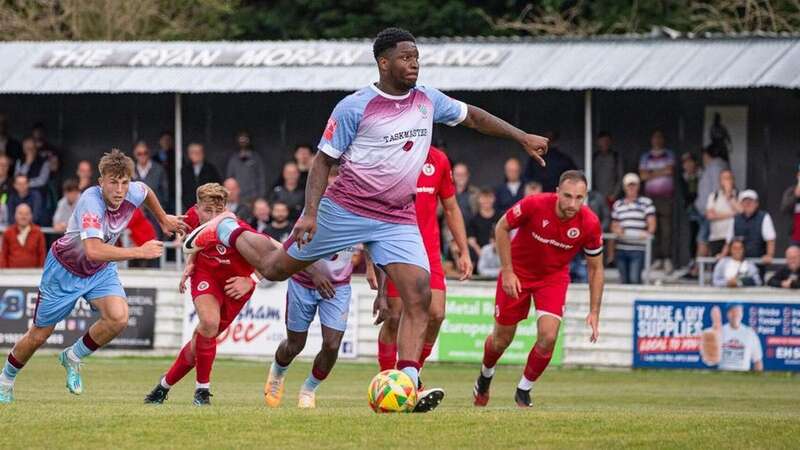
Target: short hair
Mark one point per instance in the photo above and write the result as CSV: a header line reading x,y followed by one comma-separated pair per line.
x,y
165,133
115,164
305,145
389,38
21,175
195,144
486,191
534,185
275,204
574,176
70,185
603,134
212,192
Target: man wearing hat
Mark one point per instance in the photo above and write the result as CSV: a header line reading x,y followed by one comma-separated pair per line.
x,y
633,220
755,228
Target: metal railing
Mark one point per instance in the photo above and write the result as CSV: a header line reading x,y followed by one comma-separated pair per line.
x,y
702,261
648,252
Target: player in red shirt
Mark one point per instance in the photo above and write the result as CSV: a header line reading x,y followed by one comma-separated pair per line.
x,y
550,230
435,183
221,283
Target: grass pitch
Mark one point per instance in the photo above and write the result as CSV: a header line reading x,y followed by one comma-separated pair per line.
x,y
574,409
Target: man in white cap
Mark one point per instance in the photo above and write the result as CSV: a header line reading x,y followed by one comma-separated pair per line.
x,y
633,220
755,228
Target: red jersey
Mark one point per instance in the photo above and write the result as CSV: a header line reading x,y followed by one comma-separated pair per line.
x,y
544,243
219,261
435,182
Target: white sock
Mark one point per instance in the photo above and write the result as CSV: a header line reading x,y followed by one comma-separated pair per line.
x,y
164,383
202,385
72,356
5,380
487,372
525,384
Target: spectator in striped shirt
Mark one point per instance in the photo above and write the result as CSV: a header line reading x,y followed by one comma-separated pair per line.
x,y
633,220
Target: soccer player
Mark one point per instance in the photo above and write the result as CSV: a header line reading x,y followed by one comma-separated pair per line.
x,y
82,263
551,229
435,183
325,287
380,135
221,284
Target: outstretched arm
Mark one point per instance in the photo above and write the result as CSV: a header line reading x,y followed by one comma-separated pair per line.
x,y
491,125
169,223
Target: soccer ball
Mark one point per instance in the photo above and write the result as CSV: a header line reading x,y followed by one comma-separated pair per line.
x,y
392,391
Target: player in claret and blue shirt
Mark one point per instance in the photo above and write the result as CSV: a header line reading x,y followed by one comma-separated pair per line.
x,y
82,264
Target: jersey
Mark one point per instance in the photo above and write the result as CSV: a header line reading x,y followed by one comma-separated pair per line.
x,y
219,261
337,268
545,244
93,219
382,143
740,348
435,182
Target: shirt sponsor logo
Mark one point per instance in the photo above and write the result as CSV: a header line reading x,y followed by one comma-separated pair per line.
x,y
426,190
573,232
330,128
552,242
428,169
90,220
407,134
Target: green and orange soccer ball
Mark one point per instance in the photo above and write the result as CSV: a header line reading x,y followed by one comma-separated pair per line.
x,y
392,391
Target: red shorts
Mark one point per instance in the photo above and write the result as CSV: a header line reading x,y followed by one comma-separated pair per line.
x,y
549,295
229,307
437,279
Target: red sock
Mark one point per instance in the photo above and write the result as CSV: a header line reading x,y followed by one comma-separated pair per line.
x,y
206,349
318,374
387,355
490,357
183,364
537,362
427,348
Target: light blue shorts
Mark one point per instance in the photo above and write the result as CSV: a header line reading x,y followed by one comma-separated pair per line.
x,y
302,304
387,243
60,290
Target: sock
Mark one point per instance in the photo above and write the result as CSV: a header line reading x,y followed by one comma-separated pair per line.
x,y
224,230
537,362
278,370
163,383
410,368
490,357
11,369
525,384
82,348
199,385
387,355
205,352
183,364
427,348
487,372
314,379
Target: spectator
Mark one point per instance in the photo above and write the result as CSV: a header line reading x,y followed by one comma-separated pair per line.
x,y
690,180
303,157
721,207
511,191
788,276
165,156
489,261
9,146
708,184
290,192
657,169
44,147
5,187
23,242
196,172
533,188
755,228
261,215
606,168
597,202
790,205
235,204
480,227
734,270
33,165
22,193
280,227
247,168
466,194
85,174
66,205
150,172
633,219
557,161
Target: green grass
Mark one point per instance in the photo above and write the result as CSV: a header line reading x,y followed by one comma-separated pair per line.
x,y
574,409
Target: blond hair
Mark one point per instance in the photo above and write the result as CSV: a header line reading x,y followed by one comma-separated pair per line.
x,y
116,164
212,192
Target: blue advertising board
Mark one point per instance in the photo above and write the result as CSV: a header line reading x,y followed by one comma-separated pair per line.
x,y
742,336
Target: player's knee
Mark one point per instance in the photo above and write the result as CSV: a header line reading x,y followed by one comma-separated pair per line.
x,y
117,322
392,323
501,342
436,318
208,327
38,336
331,346
294,347
546,341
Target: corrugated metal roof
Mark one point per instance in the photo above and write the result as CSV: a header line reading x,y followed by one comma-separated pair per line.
x,y
195,67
